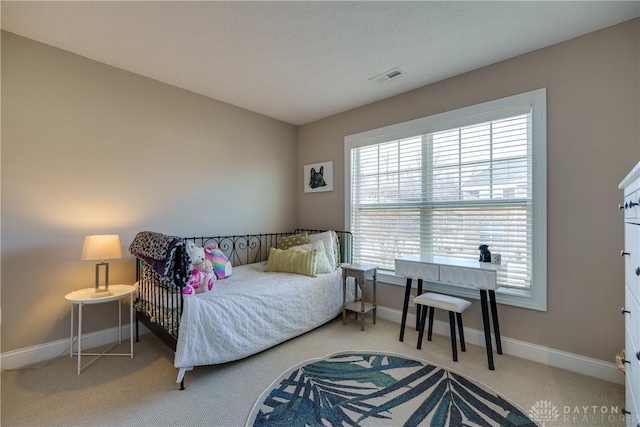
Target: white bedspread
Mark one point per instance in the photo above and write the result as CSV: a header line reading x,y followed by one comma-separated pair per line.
x,y
252,311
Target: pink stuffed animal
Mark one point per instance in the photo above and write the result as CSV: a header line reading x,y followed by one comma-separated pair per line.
x,y
200,281
194,283
207,276
202,276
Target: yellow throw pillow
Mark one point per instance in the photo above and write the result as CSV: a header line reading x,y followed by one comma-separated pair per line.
x,y
290,241
288,261
322,265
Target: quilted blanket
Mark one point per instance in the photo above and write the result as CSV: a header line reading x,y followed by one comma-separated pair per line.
x,y
159,252
253,310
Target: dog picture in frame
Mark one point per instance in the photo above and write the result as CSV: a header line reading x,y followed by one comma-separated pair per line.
x,y
318,177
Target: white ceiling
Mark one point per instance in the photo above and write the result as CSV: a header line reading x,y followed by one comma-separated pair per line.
x,y
301,61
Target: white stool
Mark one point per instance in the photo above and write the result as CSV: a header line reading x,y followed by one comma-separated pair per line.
x,y
431,301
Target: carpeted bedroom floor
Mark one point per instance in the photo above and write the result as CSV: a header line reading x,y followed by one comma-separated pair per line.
x,y
142,390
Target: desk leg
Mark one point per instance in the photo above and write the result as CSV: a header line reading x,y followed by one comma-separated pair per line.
x,y
79,337
405,307
487,328
496,325
418,306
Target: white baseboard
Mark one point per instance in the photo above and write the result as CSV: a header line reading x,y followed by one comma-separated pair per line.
x,y
607,371
20,358
557,358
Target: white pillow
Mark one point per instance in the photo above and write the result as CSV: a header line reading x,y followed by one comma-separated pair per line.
x,y
327,239
322,263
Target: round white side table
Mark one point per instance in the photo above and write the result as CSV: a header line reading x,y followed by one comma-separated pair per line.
x,y
84,297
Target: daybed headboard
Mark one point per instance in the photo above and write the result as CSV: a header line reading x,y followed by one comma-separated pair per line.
x,y
252,248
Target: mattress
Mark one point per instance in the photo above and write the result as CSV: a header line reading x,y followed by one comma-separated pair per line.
x,y
254,310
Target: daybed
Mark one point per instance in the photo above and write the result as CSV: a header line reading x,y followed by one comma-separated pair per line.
x,y
245,313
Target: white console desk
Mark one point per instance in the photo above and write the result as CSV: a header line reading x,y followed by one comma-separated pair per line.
x,y
458,271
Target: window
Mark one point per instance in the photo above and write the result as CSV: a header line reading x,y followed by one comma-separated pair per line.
x,y
447,183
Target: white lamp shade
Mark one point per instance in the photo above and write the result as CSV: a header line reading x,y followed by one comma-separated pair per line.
x,y
99,247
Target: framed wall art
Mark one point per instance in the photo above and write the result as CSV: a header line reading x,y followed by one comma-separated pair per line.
x,y
318,177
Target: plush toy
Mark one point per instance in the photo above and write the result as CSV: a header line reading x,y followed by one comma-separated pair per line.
x,y
207,276
196,254
194,283
221,264
201,280
202,276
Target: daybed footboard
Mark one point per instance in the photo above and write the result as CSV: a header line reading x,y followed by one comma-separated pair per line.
x,y
159,304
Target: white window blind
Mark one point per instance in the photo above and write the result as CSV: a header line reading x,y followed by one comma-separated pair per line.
x,y
446,191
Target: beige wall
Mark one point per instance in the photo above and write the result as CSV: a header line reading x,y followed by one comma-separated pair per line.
x,y
90,149
593,109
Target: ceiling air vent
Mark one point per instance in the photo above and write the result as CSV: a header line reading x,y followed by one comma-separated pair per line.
x,y
387,76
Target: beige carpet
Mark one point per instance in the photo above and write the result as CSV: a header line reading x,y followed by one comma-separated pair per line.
x,y
142,391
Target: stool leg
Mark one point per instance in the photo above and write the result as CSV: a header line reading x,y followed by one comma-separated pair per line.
x,y
461,332
423,320
431,311
452,325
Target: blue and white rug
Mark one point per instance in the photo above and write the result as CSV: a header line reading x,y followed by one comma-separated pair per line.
x,y
374,389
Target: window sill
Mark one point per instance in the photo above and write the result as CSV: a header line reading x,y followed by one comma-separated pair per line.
x,y
508,296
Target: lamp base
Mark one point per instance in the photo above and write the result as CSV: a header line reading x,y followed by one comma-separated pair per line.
x,y
101,294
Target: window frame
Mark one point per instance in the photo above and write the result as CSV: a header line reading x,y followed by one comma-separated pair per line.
x,y
535,297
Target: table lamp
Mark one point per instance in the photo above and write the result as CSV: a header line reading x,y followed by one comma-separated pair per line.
x,y
101,247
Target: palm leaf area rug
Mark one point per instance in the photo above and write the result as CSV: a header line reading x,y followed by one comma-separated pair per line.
x,y
374,389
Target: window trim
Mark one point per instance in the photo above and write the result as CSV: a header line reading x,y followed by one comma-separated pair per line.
x,y
534,298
